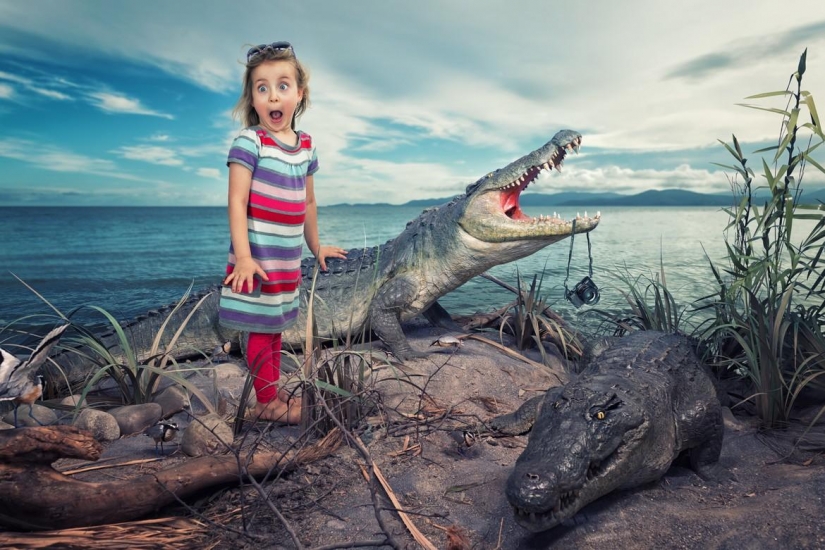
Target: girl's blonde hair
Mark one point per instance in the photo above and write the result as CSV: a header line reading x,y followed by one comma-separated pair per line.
x,y
244,111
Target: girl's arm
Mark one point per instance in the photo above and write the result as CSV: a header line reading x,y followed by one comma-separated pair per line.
x,y
240,182
322,252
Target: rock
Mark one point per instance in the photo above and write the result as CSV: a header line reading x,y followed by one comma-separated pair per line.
x,y
71,401
172,400
206,435
135,418
222,387
43,416
102,425
66,417
228,370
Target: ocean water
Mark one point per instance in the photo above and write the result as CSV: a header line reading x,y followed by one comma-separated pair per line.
x,y
129,260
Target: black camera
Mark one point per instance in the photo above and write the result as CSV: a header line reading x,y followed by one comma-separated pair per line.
x,y
585,292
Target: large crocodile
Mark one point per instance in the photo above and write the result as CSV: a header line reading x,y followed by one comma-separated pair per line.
x,y
379,288
642,401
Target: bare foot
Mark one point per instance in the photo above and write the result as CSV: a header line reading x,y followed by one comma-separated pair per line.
x,y
287,395
278,411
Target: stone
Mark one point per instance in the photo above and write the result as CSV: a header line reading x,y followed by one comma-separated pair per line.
x,y
206,435
43,416
102,425
71,401
228,370
134,419
172,400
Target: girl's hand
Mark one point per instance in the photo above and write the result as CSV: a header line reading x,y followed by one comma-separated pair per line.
x,y
326,251
244,273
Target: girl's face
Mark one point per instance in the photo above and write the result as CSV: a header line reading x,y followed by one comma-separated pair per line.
x,y
275,95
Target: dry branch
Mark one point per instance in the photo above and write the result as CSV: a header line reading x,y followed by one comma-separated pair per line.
x,y
152,534
34,496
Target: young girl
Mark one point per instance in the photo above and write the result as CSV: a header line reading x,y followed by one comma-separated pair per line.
x,y
271,204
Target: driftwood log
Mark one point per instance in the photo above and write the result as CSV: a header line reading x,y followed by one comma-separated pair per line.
x,y
35,496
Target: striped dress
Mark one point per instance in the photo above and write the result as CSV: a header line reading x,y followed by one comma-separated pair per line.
x,y
275,217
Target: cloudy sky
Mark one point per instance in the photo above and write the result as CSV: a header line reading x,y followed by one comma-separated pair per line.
x,y
120,103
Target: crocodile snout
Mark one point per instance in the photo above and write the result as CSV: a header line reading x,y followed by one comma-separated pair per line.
x,y
531,488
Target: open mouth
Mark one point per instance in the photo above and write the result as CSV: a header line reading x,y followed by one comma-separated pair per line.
x,y
276,116
511,192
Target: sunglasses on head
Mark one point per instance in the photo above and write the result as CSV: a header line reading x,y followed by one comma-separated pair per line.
x,y
274,47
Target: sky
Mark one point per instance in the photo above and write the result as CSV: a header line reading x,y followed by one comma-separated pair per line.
x,y
129,103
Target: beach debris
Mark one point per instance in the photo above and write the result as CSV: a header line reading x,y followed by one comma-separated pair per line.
x,y
447,341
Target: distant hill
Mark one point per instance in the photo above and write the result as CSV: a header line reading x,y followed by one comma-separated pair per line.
x,y
667,197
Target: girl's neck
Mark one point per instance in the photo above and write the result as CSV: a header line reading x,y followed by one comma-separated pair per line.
x,y
286,137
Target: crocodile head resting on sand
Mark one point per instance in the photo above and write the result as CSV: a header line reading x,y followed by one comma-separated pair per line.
x,y
640,403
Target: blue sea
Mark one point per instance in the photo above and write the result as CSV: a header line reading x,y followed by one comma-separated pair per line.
x,y
128,260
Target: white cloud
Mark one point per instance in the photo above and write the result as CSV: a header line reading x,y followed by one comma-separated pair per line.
x,y
213,173
52,158
150,154
35,86
636,76
6,91
120,104
52,94
14,78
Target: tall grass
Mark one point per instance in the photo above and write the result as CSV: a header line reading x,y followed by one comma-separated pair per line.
x,y
767,322
530,321
136,373
652,305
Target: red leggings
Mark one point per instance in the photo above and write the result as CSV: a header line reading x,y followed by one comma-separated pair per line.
x,y
263,357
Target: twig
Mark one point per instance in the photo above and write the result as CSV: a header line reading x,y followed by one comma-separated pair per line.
x,y
104,466
221,526
512,353
417,535
365,454
352,544
500,532
275,511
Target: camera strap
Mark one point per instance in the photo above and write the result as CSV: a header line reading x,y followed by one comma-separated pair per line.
x,y
570,256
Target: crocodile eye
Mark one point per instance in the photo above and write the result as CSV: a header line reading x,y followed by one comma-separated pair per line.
x,y
600,415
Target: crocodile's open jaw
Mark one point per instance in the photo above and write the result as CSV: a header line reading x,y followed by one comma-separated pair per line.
x,y
493,213
511,192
